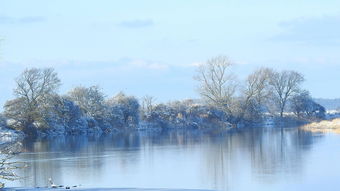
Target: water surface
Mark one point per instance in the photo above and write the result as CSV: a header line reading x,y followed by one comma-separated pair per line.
x,y
249,159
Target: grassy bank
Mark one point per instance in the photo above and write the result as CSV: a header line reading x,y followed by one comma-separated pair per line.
x,y
324,126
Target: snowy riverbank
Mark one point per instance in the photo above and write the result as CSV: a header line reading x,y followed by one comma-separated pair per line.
x,y
9,135
100,189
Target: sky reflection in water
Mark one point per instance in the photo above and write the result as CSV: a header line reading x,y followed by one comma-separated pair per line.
x,y
256,159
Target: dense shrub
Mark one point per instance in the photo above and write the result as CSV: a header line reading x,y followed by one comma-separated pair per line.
x,y
186,114
304,106
123,111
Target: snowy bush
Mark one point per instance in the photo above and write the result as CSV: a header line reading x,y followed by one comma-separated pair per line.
x,y
90,100
123,111
186,114
92,105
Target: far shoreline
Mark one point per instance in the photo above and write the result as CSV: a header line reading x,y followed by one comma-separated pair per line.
x,y
98,189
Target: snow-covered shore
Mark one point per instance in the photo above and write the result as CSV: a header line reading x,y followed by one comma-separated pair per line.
x,y
10,136
100,189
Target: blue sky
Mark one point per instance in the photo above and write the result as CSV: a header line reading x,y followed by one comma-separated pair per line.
x,y
151,47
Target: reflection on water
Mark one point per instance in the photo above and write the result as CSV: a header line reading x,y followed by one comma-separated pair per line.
x,y
262,159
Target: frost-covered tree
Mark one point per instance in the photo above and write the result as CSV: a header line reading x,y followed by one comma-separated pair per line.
x,y
33,89
148,104
125,109
18,113
186,114
161,116
217,83
284,85
64,116
91,102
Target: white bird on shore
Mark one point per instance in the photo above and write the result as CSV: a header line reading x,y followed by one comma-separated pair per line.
x,y
52,184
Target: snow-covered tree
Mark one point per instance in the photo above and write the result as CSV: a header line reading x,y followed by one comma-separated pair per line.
x,y
217,83
218,86
34,88
91,101
125,109
64,116
148,104
186,114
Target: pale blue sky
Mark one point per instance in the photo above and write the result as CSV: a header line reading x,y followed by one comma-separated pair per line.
x,y
151,46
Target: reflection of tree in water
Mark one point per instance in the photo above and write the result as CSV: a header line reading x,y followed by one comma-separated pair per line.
x,y
48,158
270,154
172,138
265,154
279,153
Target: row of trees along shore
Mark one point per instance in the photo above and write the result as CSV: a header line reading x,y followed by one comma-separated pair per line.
x,y
38,109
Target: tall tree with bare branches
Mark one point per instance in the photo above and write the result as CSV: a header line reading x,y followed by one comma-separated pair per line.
x,y
257,85
217,83
255,93
285,84
34,88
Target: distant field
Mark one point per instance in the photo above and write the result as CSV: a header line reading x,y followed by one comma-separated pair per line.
x,y
324,126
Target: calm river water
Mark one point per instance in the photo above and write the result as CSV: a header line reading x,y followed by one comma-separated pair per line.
x,y
249,159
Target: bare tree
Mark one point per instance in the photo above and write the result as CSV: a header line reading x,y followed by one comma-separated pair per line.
x,y
148,104
34,87
257,85
285,84
255,92
217,82
36,84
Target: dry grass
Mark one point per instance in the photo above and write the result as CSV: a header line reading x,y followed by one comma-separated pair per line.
x,y
324,126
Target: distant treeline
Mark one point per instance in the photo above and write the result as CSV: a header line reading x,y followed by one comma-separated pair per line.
x,y
38,109
329,104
